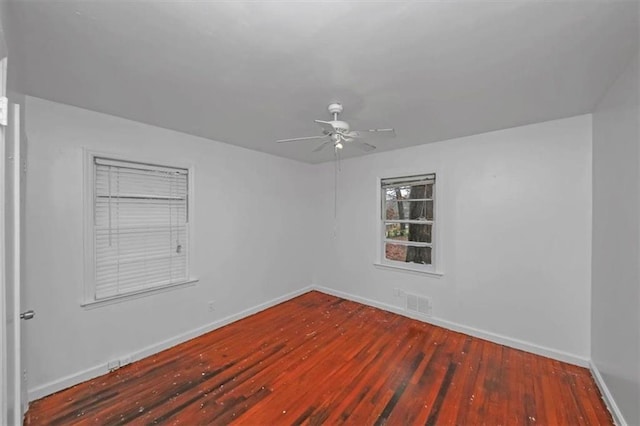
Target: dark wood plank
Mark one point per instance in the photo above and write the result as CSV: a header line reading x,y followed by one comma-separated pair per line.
x,y
319,359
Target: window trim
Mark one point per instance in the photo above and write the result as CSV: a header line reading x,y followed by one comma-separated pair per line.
x,y
88,286
381,262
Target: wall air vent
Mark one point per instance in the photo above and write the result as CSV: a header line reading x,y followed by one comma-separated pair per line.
x,y
418,304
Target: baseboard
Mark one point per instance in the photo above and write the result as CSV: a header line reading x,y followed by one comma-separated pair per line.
x,y
486,335
618,418
98,370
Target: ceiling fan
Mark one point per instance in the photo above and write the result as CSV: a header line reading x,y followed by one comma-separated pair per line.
x,y
338,133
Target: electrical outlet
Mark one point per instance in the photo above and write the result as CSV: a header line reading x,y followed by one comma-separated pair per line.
x,y
212,306
398,292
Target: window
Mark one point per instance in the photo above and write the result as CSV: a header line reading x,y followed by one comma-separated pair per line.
x,y
139,228
408,221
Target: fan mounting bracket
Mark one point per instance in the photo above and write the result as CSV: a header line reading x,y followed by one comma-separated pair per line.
x,y
335,108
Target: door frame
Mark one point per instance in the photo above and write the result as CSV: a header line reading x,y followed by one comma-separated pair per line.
x,y
11,377
16,203
4,324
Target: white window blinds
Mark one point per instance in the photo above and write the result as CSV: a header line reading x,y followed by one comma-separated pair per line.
x,y
428,179
141,221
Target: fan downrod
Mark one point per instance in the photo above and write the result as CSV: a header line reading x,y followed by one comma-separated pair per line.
x,y
335,109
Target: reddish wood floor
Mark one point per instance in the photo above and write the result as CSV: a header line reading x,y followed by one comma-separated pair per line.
x,y
321,359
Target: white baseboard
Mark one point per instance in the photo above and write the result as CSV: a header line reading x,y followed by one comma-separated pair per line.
x,y
98,370
486,335
618,418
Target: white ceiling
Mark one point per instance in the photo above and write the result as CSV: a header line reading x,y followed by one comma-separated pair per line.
x,y
248,73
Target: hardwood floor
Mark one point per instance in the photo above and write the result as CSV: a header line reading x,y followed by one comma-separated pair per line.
x,y
321,359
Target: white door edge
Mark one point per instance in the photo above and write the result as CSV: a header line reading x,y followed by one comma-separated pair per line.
x,y
17,224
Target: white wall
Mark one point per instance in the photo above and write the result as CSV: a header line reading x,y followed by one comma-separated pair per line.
x,y
515,210
616,242
249,215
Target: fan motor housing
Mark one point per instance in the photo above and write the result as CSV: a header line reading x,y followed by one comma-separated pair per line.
x,y
340,126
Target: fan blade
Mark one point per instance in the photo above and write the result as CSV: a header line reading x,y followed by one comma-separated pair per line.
x,y
367,147
372,133
322,146
327,127
307,138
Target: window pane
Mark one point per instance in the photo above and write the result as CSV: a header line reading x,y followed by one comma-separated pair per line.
x,y
403,210
397,231
402,253
409,232
405,192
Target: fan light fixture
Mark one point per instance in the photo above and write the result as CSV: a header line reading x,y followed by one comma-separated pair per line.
x,y
337,142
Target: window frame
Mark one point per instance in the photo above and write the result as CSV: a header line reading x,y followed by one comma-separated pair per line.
x,y
434,269
89,299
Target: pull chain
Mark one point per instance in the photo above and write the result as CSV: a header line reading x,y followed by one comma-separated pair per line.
x,y
335,192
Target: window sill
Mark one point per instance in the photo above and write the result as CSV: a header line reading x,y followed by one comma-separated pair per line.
x,y
92,304
435,274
